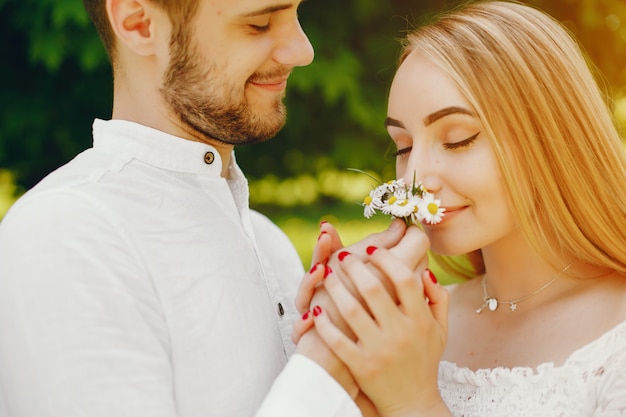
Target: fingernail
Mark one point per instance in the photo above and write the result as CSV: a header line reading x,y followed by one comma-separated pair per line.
x,y
317,311
320,236
313,268
305,315
328,270
432,276
323,222
371,249
342,255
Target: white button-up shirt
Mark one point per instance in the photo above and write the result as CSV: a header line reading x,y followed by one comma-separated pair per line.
x,y
136,281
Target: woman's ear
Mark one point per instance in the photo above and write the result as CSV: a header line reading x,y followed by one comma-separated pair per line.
x,y
134,24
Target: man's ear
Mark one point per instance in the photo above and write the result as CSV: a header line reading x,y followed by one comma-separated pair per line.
x,y
133,22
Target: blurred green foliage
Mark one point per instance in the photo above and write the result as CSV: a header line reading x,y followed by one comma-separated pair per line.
x,y
56,79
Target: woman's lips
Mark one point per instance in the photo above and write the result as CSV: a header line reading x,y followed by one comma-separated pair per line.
x,y
450,212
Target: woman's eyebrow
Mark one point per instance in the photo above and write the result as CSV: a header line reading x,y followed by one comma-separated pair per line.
x,y
393,122
433,117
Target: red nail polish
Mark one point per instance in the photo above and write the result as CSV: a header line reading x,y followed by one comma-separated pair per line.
x,y
317,311
320,236
305,315
342,255
371,249
313,268
432,276
323,222
328,270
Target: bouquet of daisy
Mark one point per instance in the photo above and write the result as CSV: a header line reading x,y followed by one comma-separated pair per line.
x,y
410,202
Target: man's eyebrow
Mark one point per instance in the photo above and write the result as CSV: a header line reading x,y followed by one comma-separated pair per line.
x,y
268,10
393,122
433,117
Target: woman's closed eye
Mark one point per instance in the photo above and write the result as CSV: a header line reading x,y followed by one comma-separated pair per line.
x,y
461,144
403,151
450,146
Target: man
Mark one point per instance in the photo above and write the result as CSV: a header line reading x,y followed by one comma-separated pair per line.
x,y
135,280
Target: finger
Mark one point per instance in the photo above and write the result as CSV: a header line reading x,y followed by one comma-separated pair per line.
x,y
307,287
301,326
380,304
350,309
385,239
335,240
322,249
438,298
345,349
412,250
408,286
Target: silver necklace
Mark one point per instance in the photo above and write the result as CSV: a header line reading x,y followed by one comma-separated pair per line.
x,y
492,303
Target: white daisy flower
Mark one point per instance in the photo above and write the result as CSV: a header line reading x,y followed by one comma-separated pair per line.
x,y
400,206
430,210
411,203
374,201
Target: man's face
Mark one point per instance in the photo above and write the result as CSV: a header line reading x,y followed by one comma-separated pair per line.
x,y
229,67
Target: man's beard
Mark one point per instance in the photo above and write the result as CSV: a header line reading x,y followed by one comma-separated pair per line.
x,y
206,103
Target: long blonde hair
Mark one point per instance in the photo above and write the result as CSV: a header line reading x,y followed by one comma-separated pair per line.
x,y
560,154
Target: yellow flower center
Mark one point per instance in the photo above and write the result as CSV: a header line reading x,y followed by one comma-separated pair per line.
x,y
403,203
433,208
392,200
367,201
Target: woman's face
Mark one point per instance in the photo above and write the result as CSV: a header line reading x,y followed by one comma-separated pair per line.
x,y
441,143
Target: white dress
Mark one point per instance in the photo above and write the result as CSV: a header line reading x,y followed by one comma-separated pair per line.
x,y
592,382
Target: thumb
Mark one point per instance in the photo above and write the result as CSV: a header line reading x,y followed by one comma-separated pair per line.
x,y
386,239
413,248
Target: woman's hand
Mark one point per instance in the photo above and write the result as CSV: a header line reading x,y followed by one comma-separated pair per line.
x,y
399,342
410,245
329,243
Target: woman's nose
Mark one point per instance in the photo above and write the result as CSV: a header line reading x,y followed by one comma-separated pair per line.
x,y
422,169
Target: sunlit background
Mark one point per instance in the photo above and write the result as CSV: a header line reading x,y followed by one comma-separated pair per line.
x,y
56,79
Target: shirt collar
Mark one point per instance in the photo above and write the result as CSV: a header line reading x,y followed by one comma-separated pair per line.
x,y
160,149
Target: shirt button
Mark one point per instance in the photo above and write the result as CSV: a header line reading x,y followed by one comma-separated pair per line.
x,y
281,310
209,157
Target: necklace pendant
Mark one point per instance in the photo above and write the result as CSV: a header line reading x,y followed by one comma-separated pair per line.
x,y
492,303
513,306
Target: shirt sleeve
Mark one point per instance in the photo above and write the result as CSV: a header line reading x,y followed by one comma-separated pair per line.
x,y
305,389
81,329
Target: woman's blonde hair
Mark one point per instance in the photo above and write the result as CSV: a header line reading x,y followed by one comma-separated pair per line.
x,y
561,157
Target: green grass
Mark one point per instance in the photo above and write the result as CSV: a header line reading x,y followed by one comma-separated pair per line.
x,y
7,191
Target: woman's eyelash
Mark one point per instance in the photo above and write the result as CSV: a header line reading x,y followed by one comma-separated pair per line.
x,y
461,144
451,146
402,151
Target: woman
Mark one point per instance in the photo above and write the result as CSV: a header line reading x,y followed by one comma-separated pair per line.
x,y
494,108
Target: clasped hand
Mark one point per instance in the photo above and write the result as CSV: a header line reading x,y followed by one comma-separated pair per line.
x,y
382,314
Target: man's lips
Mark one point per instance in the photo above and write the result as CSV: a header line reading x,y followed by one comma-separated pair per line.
x,y
277,84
